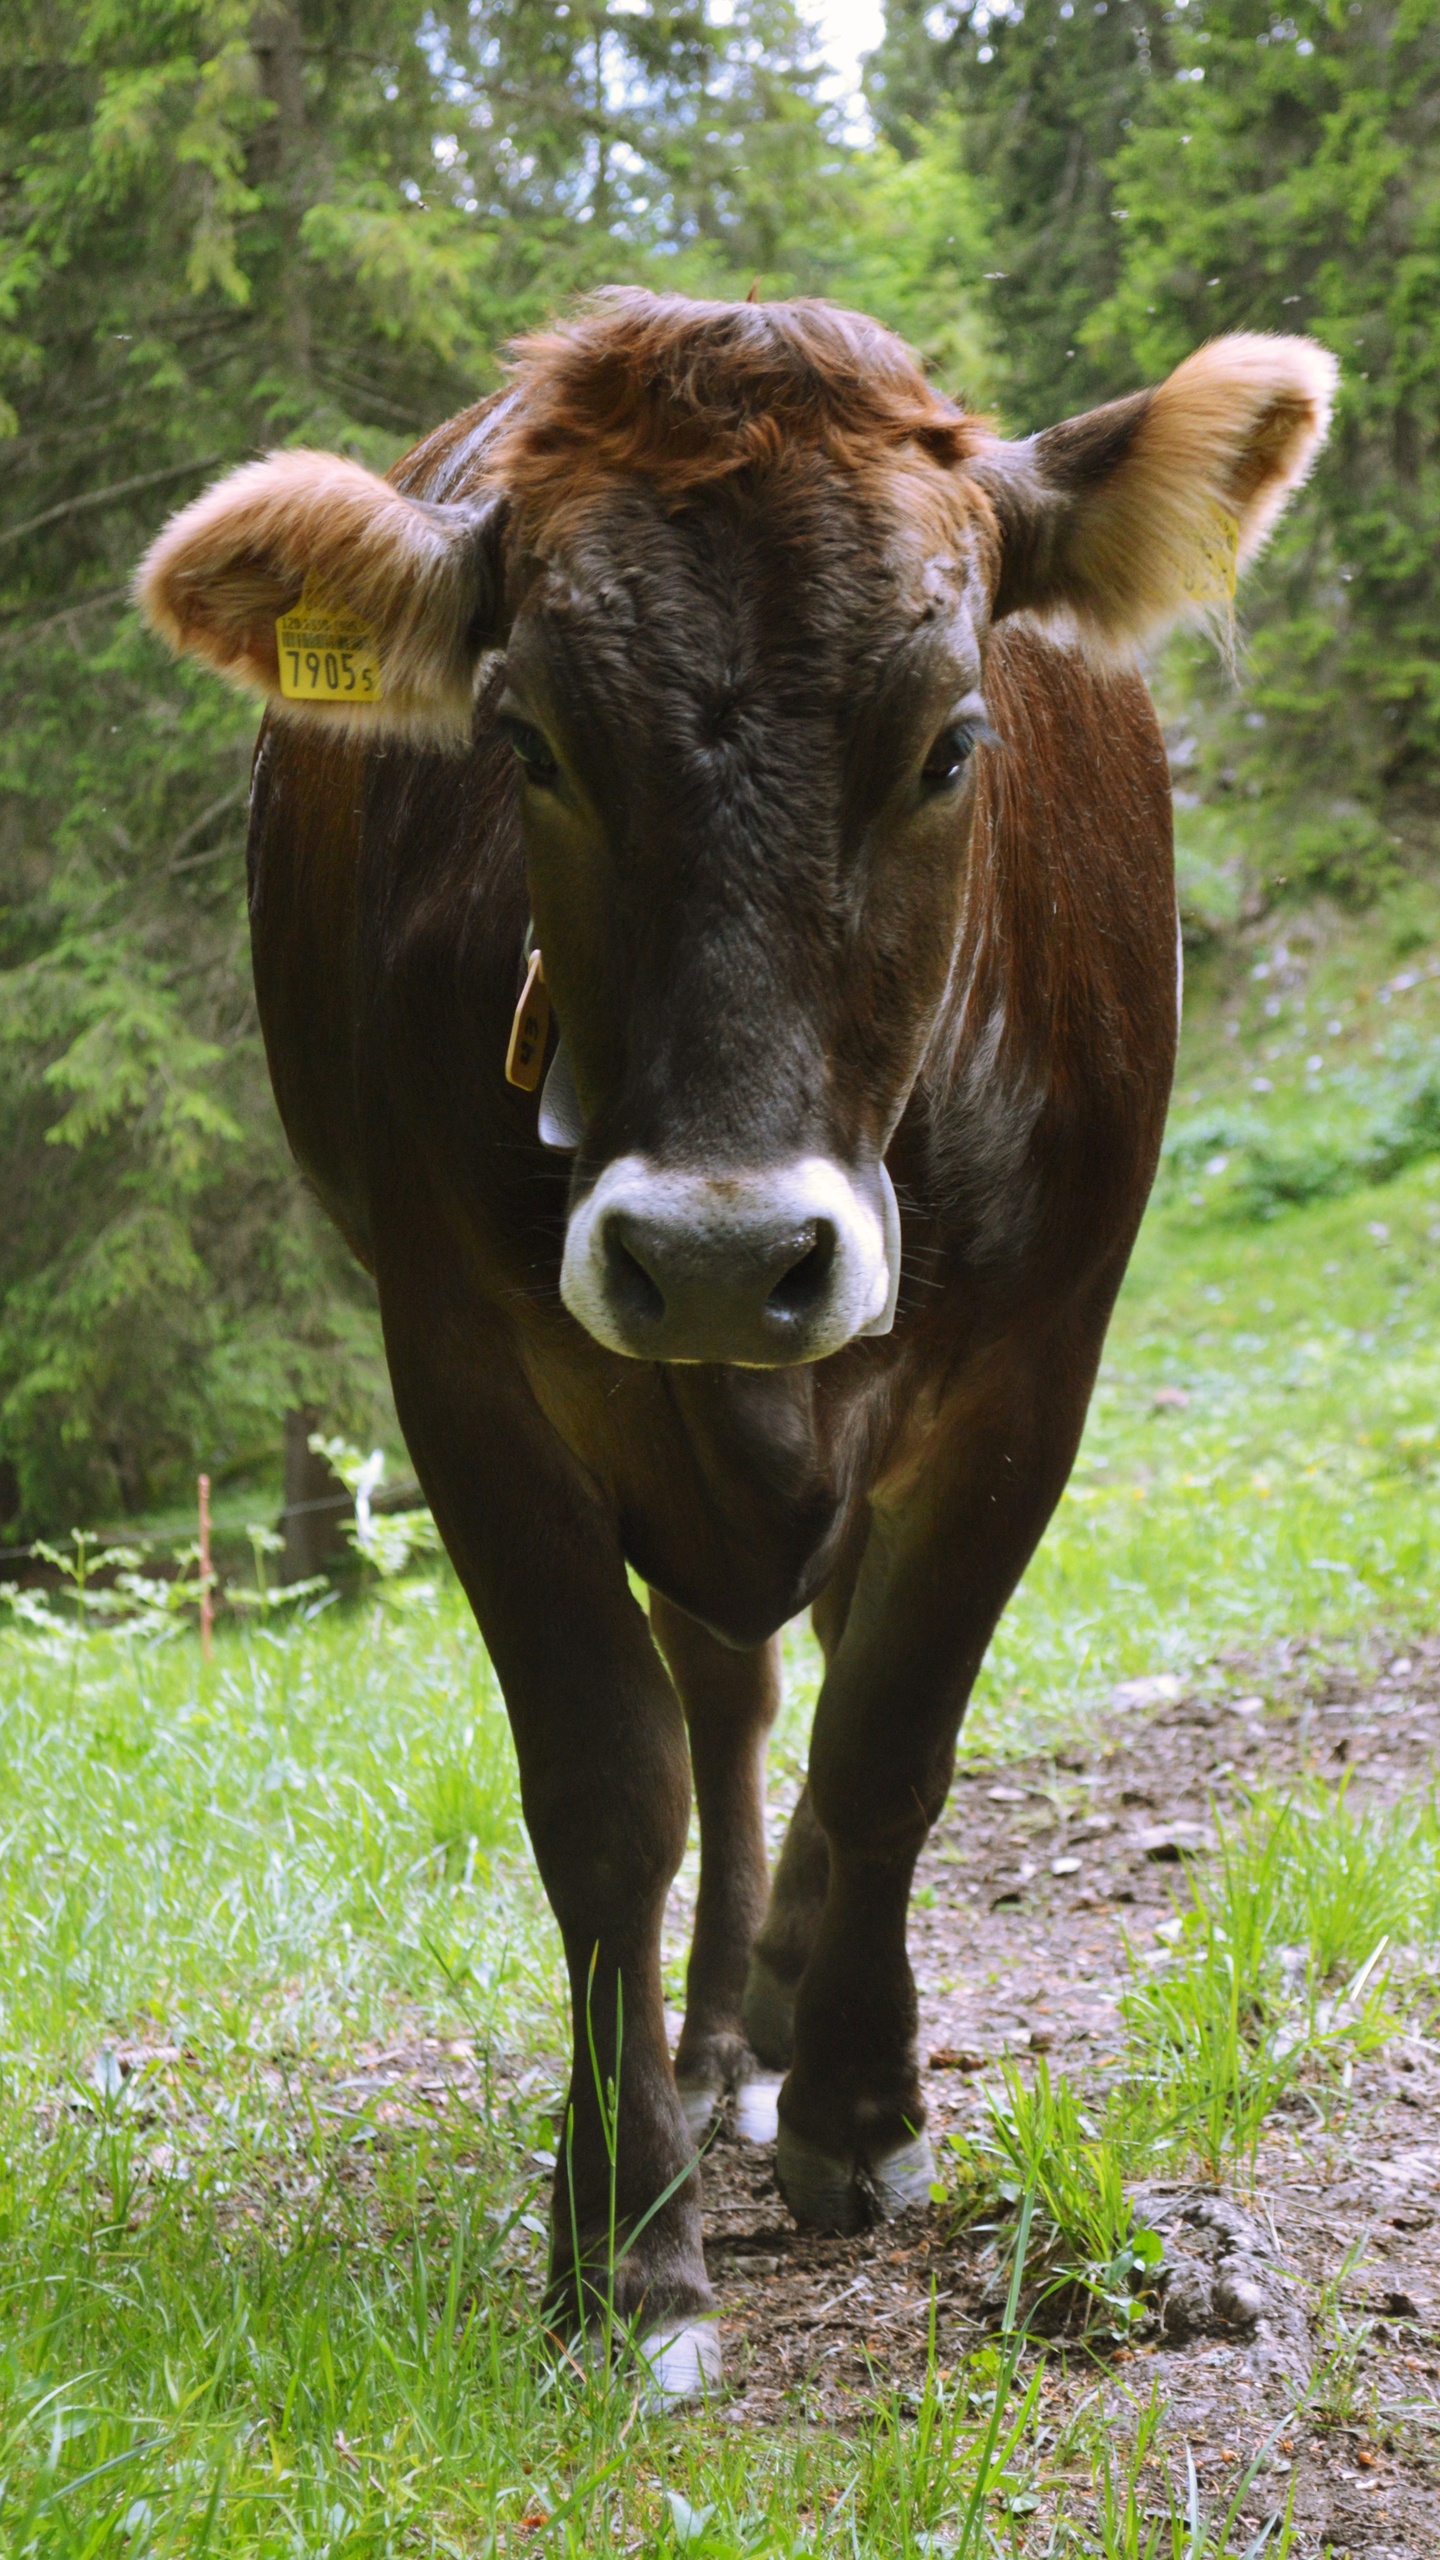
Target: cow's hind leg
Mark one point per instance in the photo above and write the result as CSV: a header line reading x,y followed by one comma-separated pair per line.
x,y
730,1699
789,1931
802,1877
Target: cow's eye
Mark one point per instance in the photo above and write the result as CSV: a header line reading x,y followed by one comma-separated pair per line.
x,y
532,751
953,749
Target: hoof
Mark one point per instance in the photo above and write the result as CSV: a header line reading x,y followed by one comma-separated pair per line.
x,y
680,2364
700,2106
848,2195
768,2013
902,2178
757,2107
823,2193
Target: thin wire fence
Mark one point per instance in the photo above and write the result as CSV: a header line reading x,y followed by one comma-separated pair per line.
x,y
288,1511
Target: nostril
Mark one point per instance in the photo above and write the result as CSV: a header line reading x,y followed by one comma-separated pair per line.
x,y
634,1295
799,1290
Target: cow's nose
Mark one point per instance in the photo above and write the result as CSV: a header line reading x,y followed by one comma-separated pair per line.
x,y
763,1277
763,1268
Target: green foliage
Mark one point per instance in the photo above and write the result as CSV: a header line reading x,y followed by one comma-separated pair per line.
x,y
149,1605
370,1748
1150,177
1312,1891
1212,873
228,224
387,1540
1200,2030
1040,96
1090,2264
1238,2004
1251,1171
910,241
1309,200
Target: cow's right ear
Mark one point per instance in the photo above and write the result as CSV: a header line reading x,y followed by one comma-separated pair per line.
x,y
416,588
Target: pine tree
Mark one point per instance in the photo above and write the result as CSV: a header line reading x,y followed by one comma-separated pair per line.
x,y
226,224
1310,199
1145,178
1042,96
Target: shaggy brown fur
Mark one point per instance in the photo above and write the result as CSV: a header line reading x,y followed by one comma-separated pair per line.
x,y
685,393
1108,527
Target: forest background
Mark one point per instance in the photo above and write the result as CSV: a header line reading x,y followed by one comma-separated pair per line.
x,y
226,225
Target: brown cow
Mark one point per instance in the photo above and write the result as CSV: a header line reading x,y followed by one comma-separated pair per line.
x,y
792,715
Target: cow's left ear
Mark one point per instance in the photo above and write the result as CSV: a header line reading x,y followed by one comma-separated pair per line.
x,y
390,602
1127,520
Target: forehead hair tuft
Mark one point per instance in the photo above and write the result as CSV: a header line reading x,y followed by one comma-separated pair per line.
x,y
683,394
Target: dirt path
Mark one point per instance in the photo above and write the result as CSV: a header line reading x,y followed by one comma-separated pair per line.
x,y
1014,1957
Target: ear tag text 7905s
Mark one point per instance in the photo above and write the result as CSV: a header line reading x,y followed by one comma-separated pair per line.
x,y
525,1057
326,653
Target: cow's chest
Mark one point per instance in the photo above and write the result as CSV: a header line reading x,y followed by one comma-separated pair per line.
x,y
733,1488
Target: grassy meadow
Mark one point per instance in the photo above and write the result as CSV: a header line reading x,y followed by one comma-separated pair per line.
x,y
246,2311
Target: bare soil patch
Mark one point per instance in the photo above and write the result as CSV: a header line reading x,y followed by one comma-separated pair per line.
x,y
1041,1875
1033,1883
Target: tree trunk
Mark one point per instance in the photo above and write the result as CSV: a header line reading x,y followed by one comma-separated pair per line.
x,y
317,1506
278,155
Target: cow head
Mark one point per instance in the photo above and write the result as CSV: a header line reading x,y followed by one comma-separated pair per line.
x,y
742,563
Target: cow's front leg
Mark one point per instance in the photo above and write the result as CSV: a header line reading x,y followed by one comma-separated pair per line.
x,y
730,1698
604,1777
937,1571
625,2231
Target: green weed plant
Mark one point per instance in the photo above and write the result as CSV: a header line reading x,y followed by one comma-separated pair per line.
x,y
1287,1957
1091,2264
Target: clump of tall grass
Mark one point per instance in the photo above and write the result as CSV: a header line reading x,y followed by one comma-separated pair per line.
x,y
1289,1953
1284,1957
1040,2147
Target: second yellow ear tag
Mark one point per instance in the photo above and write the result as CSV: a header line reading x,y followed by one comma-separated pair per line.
x,y
525,1057
326,655
1213,575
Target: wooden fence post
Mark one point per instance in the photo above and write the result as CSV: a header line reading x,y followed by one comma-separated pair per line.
x,y
207,1605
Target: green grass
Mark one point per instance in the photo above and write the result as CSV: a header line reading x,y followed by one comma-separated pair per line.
x,y
322,1825
1312,1933
1313,1929
246,2311
1293,1491
1042,2153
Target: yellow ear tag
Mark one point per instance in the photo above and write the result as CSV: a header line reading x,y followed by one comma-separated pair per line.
x,y
525,1057
1213,573
326,654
